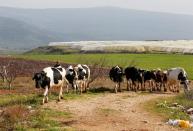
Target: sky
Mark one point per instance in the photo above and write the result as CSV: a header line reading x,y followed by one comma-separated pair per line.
x,y
171,6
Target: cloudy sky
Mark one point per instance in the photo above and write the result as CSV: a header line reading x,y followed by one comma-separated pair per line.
x,y
172,6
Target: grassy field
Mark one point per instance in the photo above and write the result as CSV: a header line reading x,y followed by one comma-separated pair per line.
x,y
146,61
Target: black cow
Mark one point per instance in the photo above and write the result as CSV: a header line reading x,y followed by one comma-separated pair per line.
x,y
134,76
116,75
150,77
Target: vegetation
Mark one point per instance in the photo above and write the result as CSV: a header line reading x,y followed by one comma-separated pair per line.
x,y
160,106
147,61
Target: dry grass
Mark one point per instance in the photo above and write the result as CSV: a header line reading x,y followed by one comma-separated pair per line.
x,y
13,116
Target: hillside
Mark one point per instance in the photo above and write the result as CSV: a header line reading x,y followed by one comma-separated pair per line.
x,y
15,34
96,24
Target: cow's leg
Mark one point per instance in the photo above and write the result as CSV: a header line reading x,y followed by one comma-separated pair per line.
x,y
135,86
144,87
128,88
178,88
60,93
119,86
81,87
74,87
85,86
67,85
116,87
173,88
45,96
151,86
165,87
67,88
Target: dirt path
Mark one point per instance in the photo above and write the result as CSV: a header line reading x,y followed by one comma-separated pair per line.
x,y
112,112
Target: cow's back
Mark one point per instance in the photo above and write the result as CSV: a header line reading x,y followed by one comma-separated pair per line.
x,y
56,75
173,73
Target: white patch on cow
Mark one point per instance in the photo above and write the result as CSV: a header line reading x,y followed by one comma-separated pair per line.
x,y
49,73
174,72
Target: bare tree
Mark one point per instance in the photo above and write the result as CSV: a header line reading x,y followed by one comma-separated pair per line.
x,y
98,70
9,73
2,72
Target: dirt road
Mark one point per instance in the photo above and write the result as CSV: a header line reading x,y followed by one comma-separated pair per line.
x,y
112,112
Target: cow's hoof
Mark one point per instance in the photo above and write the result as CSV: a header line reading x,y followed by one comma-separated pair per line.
x,y
61,97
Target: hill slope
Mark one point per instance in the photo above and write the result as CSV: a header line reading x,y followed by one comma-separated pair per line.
x,y
15,34
104,23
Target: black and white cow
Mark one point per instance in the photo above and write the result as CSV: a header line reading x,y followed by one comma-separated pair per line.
x,y
82,77
177,76
134,76
50,77
116,75
71,77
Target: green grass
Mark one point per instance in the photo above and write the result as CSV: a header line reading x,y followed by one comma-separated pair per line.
x,y
41,118
13,99
45,119
160,106
48,119
146,61
35,100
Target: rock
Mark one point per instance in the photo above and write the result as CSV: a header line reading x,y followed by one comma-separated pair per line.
x,y
1,111
144,121
191,117
190,111
133,111
174,108
29,107
181,107
31,111
174,104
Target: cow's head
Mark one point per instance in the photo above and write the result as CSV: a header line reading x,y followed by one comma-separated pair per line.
x,y
118,70
80,72
182,76
40,79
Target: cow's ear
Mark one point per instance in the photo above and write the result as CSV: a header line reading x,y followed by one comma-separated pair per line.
x,y
43,73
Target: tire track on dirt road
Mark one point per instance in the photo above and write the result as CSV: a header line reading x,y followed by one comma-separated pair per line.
x,y
112,112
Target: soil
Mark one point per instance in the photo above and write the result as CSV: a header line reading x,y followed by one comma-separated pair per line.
x,y
112,112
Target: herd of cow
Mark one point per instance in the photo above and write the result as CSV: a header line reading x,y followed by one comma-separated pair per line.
x,y
137,79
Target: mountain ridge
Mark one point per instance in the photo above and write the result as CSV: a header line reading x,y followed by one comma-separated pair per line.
x,y
102,24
